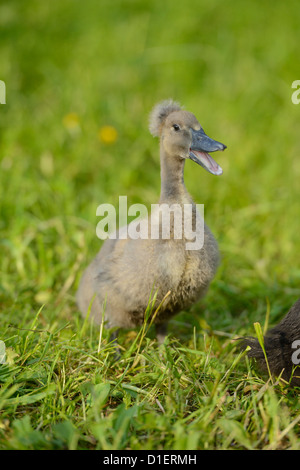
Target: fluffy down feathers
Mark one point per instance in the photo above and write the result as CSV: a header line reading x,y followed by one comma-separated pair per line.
x,y
279,347
159,114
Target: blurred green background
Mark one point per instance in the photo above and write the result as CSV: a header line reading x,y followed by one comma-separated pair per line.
x,y
72,68
81,79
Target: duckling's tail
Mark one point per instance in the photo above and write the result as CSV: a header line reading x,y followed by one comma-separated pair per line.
x,y
282,348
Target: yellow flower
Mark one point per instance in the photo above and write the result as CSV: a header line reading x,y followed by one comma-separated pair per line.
x,y
71,121
107,134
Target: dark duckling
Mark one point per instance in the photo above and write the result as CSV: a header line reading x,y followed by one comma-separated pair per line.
x,y
282,346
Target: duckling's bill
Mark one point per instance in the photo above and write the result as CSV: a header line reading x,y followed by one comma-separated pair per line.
x,y
201,145
206,161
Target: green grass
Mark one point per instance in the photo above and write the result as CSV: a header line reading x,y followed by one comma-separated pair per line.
x,y
109,63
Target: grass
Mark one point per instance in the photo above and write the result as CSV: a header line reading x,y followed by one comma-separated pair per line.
x,y
70,71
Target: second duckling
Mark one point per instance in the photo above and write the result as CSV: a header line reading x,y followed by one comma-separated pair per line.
x,y
282,348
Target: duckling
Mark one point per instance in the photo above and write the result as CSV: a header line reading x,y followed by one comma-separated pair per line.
x,y
126,271
282,347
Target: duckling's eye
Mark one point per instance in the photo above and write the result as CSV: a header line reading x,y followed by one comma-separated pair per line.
x,y
176,127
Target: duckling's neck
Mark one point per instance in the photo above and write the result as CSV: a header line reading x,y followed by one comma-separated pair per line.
x,y
172,182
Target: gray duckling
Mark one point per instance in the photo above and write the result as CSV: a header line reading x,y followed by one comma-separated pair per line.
x,y
282,347
127,271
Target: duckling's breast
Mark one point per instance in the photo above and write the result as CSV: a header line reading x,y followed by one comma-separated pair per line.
x,y
186,274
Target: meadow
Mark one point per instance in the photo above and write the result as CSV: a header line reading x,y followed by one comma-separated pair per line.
x,y
81,79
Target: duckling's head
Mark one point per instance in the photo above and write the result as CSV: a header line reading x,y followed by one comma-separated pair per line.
x,y
182,136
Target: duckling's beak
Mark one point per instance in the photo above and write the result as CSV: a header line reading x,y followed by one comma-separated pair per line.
x,y
201,144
